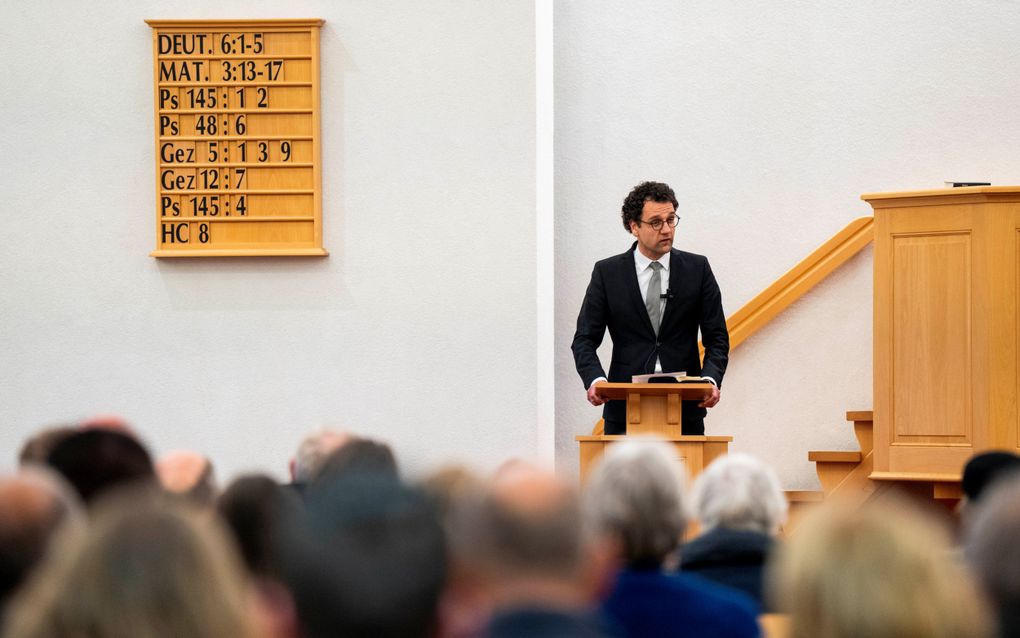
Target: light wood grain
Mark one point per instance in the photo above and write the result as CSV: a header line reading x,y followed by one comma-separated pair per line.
x,y
841,456
239,98
687,391
947,266
864,429
931,354
241,252
695,452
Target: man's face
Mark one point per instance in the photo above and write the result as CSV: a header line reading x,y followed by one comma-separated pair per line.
x,y
654,243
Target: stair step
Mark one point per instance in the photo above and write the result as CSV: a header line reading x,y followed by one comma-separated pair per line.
x,y
804,496
800,503
864,425
821,456
845,468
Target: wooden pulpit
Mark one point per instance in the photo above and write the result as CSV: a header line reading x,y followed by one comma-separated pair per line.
x,y
654,409
947,265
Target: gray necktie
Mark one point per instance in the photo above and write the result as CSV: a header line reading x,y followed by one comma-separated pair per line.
x,y
653,297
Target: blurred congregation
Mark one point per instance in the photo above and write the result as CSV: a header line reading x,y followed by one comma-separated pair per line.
x,y
99,539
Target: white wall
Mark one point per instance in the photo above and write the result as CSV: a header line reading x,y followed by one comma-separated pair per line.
x,y
769,120
422,315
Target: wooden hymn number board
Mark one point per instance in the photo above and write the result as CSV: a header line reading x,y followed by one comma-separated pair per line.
x,y
238,170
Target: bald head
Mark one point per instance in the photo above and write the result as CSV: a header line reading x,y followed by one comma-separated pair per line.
x,y
23,500
32,506
189,474
527,491
526,524
111,422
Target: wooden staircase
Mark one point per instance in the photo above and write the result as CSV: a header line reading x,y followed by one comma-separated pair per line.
x,y
845,472
848,472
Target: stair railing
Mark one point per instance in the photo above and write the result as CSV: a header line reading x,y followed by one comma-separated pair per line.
x,y
801,278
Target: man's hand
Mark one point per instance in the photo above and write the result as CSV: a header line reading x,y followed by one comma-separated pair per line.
x,y
594,397
711,398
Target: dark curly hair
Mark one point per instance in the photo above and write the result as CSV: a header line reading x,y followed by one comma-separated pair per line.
x,y
635,202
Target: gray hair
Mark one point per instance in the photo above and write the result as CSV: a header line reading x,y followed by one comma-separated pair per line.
x,y
636,494
990,543
737,491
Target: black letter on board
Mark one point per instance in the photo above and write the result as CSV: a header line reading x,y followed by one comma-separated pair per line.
x,y
165,123
172,233
168,204
166,97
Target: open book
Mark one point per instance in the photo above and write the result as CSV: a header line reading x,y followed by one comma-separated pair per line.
x,y
667,377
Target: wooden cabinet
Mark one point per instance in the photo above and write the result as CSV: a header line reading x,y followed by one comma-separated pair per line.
x,y
945,337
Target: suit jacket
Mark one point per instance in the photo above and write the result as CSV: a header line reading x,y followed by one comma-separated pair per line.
x,y
613,300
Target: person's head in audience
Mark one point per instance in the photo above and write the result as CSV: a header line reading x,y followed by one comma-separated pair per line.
x,y
312,452
38,446
112,422
740,506
462,607
739,492
33,505
257,509
994,553
884,570
188,474
359,456
145,567
450,486
523,536
367,560
96,460
983,470
635,506
634,497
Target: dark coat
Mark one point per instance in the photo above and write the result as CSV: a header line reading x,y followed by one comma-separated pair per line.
x,y
654,603
735,558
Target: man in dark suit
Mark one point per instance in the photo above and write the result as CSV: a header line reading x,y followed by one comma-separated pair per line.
x,y
653,299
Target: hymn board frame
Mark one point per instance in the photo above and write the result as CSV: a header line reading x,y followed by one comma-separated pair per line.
x,y
274,219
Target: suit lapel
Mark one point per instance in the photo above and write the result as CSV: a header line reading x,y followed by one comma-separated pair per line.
x,y
629,272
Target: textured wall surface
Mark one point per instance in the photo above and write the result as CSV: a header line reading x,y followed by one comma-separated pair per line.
x,y
425,305
769,120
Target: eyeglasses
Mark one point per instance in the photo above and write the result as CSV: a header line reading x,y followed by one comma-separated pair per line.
x,y
656,224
